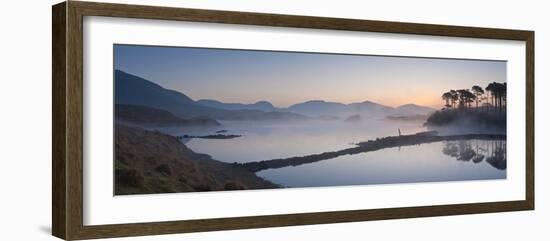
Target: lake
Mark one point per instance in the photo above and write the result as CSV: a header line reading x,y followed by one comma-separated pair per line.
x,y
439,161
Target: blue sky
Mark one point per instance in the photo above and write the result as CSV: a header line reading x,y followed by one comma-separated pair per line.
x,y
285,78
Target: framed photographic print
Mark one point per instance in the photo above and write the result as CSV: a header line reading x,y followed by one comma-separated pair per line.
x,y
170,120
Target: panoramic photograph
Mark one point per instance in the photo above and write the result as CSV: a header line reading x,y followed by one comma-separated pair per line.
x,y
190,119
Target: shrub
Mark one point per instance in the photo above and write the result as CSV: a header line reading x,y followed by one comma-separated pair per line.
x,y
467,117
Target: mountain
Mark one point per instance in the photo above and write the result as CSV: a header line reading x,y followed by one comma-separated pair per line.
x,y
412,109
369,108
134,90
317,108
260,105
142,115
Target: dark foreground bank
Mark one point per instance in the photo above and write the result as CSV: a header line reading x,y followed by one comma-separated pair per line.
x,y
149,162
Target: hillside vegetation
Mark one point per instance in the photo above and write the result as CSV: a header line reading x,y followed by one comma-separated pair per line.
x,y
151,162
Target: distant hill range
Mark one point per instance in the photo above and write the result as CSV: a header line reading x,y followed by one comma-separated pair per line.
x,y
142,115
324,108
327,110
412,109
260,105
313,108
136,91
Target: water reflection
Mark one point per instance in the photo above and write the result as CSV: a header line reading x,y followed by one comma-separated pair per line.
x,y
431,162
493,152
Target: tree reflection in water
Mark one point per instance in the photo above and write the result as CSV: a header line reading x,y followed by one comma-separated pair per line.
x,y
493,152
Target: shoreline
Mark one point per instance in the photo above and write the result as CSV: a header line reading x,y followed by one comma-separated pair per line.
x,y
367,146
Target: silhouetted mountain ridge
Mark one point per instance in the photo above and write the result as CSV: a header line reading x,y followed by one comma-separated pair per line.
x,y
260,105
319,108
413,109
366,109
134,90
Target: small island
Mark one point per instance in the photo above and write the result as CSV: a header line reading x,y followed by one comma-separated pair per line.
x,y
216,136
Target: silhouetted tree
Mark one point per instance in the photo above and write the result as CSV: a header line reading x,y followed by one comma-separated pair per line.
x,y
454,97
465,97
491,88
447,97
504,93
478,92
498,93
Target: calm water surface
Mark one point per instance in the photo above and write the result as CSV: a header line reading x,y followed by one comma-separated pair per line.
x,y
421,163
440,161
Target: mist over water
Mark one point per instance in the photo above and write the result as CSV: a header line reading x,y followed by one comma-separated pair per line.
x,y
270,140
440,161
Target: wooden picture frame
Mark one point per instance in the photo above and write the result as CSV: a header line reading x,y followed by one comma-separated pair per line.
x,y
67,152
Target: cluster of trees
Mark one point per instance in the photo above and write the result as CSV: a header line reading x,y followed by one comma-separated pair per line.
x,y
494,95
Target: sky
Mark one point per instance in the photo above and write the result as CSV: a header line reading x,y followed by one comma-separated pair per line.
x,y
286,78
